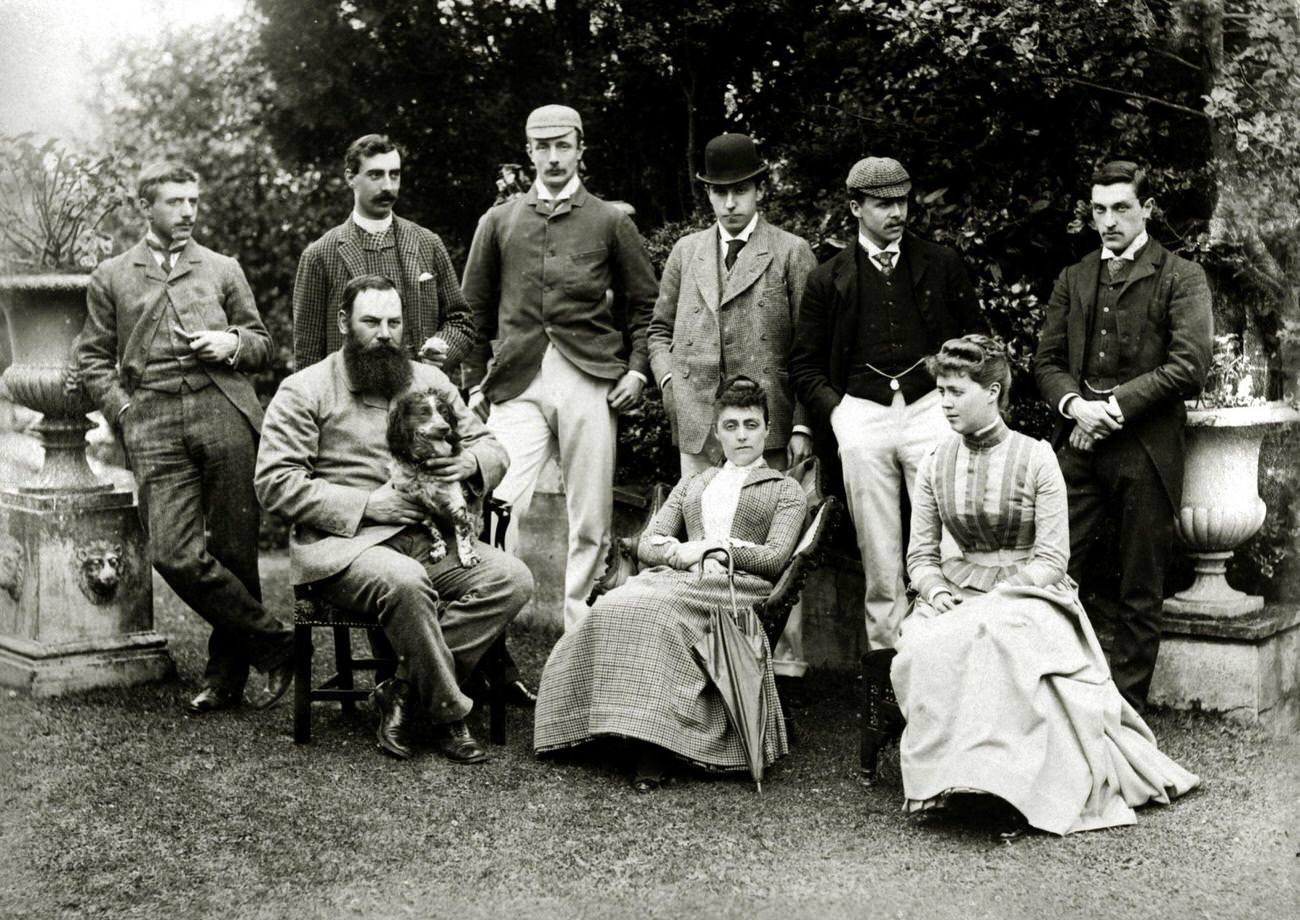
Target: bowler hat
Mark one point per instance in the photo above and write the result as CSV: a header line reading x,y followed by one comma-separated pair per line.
x,y
552,121
730,158
880,177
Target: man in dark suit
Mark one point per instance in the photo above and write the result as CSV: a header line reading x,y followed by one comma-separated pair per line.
x,y
552,358
170,338
869,318
1127,338
375,241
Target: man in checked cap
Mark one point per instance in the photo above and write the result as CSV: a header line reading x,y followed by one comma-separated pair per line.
x,y
553,359
869,317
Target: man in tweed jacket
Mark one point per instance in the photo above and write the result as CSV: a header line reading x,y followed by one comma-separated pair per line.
x,y
553,358
728,304
171,337
375,241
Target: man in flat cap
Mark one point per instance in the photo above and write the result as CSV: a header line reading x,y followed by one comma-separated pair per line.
x,y
375,241
728,304
869,318
553,360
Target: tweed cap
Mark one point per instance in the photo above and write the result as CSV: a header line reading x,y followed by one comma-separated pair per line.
x,y
552,121
880,177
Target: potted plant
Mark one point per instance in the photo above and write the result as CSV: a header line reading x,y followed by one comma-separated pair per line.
x,y
1221,507
54,206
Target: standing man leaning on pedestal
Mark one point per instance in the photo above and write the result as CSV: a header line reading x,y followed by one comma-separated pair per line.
x,y
728,304
551,358
375,241
869,318
171,336
1127,338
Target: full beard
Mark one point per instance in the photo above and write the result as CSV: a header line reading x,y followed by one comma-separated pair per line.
x,y
380,370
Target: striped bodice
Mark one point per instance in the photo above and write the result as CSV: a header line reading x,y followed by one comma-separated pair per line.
x,y
985,490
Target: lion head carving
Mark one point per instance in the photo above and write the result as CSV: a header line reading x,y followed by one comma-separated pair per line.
x,y
101,566
11,566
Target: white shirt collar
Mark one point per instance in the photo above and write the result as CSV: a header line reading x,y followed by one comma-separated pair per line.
x,y
732,468
1130,253
569,190
742,235
873,250
373,226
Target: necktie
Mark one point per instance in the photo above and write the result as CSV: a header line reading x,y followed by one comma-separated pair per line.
x,y
733,251
1114,267
886,260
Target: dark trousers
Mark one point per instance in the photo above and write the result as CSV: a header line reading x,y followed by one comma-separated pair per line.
x,y
193,454
1119,481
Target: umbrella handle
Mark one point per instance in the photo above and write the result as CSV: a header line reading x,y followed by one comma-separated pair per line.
x,y
731,578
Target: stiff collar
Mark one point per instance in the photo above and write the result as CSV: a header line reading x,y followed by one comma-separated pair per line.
x,y
743,234
991,435
759,463
1130,253
151,240
570,189
372,226
873,250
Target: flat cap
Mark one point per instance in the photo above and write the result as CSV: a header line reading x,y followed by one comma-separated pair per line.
x,y
552,121
881,177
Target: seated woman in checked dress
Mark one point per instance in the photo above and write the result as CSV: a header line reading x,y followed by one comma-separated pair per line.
x,y
999,674
627,670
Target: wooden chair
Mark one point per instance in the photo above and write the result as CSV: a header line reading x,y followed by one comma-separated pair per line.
x,y
311,613
882,720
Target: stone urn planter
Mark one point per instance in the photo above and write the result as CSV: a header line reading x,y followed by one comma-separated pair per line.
x,y
1221,507
76,590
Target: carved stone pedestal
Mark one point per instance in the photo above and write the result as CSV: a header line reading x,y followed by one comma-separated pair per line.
x,y
1246,667
76,594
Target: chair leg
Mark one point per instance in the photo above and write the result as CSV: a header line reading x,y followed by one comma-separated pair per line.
x,y
302,655
877,725
343,665
497,691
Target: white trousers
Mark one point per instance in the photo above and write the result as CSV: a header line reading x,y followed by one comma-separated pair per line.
x,y
787,657
880,448
563,410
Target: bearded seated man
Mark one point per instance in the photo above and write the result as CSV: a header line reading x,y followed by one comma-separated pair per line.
x,y
324,464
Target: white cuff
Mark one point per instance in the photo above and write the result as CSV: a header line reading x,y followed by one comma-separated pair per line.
x,y
640,376
801,429
668,376
1064,404
1113,405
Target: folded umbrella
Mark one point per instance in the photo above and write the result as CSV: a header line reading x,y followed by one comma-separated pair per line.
x,y
734,657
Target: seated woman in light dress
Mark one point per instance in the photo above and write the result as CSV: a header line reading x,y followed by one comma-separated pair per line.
x,y
627,670
999,674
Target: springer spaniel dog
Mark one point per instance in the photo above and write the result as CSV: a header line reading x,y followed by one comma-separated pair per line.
x,y
422,427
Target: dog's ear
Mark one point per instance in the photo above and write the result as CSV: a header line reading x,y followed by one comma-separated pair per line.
x,y
401,432
448,412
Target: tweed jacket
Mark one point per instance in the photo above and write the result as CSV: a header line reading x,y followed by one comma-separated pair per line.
x,y
324,450
431,299
1165,330
125,302
770,515
702,330
827,331
533,279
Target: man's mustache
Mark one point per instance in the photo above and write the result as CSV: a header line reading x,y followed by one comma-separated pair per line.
x,y
386,197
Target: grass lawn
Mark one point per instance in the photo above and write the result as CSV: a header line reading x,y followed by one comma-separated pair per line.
x,y
115,804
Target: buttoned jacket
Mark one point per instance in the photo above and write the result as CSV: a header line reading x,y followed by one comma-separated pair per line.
x,y
1165,329
768,522
577,278
827,331
324,449
125,306
432,302
709,323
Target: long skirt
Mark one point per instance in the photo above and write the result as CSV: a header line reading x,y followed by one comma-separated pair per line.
x,y
628,671
1009,694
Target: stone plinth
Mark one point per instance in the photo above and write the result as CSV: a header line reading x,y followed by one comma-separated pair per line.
x,y
1246,667
76,594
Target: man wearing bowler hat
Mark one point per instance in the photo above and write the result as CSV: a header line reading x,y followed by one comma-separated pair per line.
x,y
869,318
728,304
552,360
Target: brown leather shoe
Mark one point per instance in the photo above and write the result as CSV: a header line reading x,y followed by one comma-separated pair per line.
x,y
278,681
211,699
455,743
392,700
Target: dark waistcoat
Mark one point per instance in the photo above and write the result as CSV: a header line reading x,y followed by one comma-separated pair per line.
x,y
892,335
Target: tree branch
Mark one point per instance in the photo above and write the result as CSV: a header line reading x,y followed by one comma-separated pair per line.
x,y
1155,100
